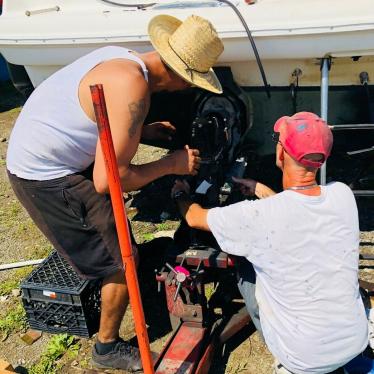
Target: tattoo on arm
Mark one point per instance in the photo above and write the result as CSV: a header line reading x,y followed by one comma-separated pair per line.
x,y
137,114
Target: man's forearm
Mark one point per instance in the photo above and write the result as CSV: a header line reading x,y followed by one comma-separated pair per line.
x,y
197,217
135,177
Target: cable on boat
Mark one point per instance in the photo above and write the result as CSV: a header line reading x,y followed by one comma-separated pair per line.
x,y
259,63
139,6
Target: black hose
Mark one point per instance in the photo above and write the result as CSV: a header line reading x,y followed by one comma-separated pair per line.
x,y
259,63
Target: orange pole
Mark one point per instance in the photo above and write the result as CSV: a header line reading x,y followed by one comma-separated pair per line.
x,y
116,195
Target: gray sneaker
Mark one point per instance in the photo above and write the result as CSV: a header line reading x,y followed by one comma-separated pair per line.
x,y
124,356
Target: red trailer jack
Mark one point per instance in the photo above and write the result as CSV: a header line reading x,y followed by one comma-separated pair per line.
x,y
202,325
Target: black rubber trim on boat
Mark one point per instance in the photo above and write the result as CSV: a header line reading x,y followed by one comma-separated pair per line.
x,y
258,59
139,6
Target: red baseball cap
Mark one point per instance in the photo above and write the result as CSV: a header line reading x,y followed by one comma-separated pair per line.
x,y
302,134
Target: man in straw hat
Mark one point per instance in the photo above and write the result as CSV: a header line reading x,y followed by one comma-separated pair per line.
x,y
56,167
303,244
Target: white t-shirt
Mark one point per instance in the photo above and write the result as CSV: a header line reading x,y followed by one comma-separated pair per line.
x,y
305,253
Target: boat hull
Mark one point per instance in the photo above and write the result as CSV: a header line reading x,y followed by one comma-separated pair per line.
x,y
289,34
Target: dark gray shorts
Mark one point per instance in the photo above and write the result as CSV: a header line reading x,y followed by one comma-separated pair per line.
x,y
77,220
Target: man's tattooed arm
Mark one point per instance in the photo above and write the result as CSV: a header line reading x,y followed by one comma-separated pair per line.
x,y
138,111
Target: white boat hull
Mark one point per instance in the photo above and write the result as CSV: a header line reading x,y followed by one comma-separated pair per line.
x,y
289,34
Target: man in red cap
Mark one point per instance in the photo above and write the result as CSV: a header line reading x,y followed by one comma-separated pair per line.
x,y
303,244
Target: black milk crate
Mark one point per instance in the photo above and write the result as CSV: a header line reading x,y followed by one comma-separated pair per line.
x,y
58,300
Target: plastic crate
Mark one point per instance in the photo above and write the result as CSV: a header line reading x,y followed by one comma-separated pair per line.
x,y
57,300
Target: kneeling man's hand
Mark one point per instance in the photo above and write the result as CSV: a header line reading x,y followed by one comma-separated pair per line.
x,y
250,187
247,186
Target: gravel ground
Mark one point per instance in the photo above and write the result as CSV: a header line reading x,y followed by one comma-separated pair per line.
x,y
20,240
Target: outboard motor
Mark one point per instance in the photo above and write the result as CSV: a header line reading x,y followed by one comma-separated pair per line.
x,y
216,131
219,124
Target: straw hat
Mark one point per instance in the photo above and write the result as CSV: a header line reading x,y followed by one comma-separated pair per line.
x,y
189,48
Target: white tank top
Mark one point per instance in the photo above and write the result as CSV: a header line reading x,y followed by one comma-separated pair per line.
x,y
53,136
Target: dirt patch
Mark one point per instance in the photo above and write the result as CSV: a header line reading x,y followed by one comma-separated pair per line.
x,y
151,212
